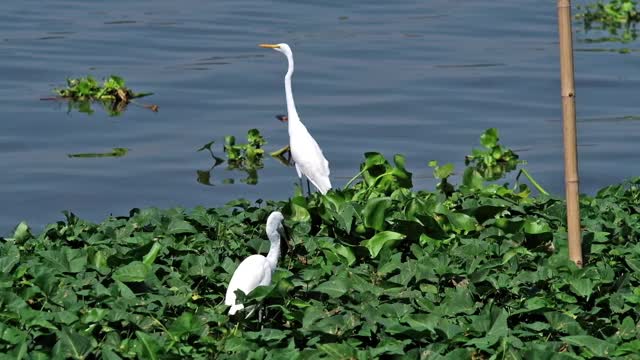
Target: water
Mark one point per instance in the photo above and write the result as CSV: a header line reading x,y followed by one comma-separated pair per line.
x,y
422,79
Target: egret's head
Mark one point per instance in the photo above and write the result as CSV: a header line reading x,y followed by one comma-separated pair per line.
x,y
274,223
275,226
282,47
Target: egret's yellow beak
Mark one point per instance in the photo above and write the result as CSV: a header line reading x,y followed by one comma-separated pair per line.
x,y
270,46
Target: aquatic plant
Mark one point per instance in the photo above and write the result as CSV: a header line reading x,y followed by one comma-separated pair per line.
x,y
246,157
112,94
115,152
376,270
494,160
617,17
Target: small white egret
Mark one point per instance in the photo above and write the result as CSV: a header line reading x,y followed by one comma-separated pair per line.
x,y
305,152
256,270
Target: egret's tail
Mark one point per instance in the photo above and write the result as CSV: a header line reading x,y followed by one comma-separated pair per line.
x,y
323,184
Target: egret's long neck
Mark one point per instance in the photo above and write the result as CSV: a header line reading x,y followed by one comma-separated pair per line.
x,y
291,105
274,251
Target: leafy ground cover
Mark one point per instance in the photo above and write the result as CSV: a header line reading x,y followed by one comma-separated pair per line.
x,y
113,95
476,270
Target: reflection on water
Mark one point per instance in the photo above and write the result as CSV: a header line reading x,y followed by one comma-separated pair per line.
x,y
111,107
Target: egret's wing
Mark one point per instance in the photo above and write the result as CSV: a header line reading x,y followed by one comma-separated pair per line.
x,y
250,274
309,159
266,280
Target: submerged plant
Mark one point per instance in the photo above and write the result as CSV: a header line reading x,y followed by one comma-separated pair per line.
x,y
112,94
116,152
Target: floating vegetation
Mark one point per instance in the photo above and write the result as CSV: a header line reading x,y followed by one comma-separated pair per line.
x,y
494,160
617,17
113,95
116,152
246,157
375,270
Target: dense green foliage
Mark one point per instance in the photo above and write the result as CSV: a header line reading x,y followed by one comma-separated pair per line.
x,y
374,270
113,95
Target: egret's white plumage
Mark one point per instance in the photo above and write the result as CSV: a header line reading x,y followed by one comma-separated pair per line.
x,y
256,270
305,151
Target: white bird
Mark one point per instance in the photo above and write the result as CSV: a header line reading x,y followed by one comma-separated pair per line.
x,y
256,270
305,152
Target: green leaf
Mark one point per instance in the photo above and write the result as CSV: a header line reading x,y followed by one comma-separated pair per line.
x,y
422,322
594,345
443,172
299,213
73,345
9,259
462,221
379,240
18,353
109,354
148,346
582,287
12,335
629,348
21,233
179,226
66,259
95,315
345,217
374,212
472,178
498,330
150,257
135,271
334,288
187,323
537,226
490,138
627,329
338,351
346,253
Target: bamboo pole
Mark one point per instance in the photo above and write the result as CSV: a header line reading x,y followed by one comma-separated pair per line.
x,y
569,131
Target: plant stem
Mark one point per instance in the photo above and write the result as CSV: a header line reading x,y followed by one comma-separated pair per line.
x,y
533,182
280,151
355,177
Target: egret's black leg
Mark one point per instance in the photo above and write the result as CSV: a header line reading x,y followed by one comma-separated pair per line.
x,y
301,185
308,187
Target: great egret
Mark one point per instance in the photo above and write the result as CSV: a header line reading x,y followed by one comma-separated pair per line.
x,y
305,152
256,270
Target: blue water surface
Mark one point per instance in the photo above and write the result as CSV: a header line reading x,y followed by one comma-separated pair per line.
x,y
423,79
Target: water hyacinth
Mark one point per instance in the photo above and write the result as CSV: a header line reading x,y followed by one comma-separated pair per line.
x,y
375,270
